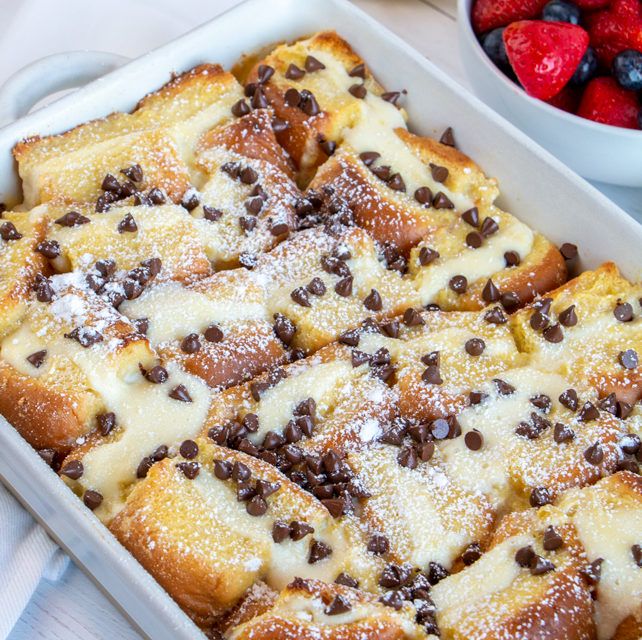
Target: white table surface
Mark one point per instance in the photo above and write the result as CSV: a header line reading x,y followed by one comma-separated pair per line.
x,y
73,607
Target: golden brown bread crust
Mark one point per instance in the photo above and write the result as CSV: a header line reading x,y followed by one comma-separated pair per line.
x,y
44,417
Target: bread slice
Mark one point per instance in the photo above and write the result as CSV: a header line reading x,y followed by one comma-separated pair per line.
x,y
203,545
317,124
160,136
216,328
20,234
374,291
594,341
438,359
314,610
129,236
53,366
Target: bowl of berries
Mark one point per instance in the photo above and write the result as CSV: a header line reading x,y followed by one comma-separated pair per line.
x,y
567,72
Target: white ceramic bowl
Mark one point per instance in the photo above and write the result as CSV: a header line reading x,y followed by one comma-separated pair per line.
x,y
596,151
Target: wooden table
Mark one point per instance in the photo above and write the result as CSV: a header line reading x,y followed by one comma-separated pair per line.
x,y
73,607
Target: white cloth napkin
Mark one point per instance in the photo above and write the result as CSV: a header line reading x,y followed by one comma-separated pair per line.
x,y
32,29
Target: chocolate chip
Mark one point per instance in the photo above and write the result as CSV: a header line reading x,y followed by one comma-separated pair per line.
x,y
553,334
308,104
539,566
264,73
471,554
373,301
301,297
563,433
407,457
292,98
509,300
636,552
258,100
427,255
503,388
191,343
540,496
423,195
392,599
223,469
538,321
240,108
350,337
358,91
588,413
495,316
471,217
431,375
630,443
50,249
628,359
476,397
127,224
524,555
459,284
475,346
73,470
312,64
592,572
594,454
391,96
552,539
442,201
448,138
474,440
180,393
240,472
440,429
37,359
85,336
340,604
316,287
382,172
474,240
623,312
569,399
280,531
188,449
512,259
396,182
247,175
391,328
394,575
106,422
72,219
412,318
489,227
247,223
110,183
426,450
541,401
369,157
256,506
157,375
568,251
189,469
92,499
284,328
294,73
568,317
346,580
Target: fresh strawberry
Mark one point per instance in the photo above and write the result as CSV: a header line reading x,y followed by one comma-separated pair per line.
x,y
592,5
605,101
616,29
544,55
490,14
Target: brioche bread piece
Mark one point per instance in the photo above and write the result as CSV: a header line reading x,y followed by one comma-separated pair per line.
x,y
193,526
160,136
216,328
543,596
425,516
439,358
321,404
352,282
401,187
20,234
129,236
608,521
323,101
596,326
314,610
511,449
54,368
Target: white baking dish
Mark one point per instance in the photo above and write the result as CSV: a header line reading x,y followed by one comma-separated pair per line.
x,y
537,188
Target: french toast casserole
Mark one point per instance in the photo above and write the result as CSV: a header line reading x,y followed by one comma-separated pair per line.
x,y
306,371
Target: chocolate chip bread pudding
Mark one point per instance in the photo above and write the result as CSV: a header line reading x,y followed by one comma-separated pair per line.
x,y
312,377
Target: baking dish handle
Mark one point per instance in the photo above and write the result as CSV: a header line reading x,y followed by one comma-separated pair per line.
x,y
50,74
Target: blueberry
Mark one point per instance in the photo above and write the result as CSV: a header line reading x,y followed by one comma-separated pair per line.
x,y
493,45
561,11
627,69
586,68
